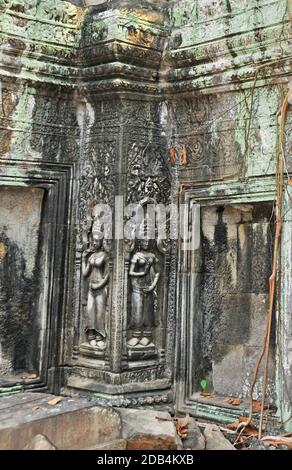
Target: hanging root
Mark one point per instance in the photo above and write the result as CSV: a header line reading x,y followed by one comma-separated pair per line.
x,y
280,167
277,246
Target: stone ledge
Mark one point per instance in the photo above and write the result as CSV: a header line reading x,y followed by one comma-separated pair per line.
x,y
29,414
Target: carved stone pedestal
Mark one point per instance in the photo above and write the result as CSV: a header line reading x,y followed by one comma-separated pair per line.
x,y
140,353
91,351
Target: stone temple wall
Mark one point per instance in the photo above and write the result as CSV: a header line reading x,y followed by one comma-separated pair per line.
x,y
118,102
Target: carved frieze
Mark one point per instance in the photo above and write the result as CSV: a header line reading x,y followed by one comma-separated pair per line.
x,y
148,175
97,184
57,10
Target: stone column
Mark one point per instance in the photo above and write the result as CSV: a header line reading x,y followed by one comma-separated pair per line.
x,y
126,309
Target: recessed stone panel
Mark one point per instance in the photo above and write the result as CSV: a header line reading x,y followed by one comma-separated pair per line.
x,y
20,323
232,297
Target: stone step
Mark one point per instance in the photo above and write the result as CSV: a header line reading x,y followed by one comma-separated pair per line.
x,y
73,423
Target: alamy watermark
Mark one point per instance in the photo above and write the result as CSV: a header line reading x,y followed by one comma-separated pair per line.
x,y
148,221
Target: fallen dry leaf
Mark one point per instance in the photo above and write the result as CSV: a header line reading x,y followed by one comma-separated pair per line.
x,y
54,401
182,426
233,426
34,408
172,154
249,430
256,406
243,442
277,441
29,377
207,394
184,157
233,401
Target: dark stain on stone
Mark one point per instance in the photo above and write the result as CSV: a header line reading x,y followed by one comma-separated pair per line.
x,y
229,9
20,311
8,105
225,306
220,236
5,141
231,50
87,32
17,7
17,44
18,294
21,22
227,30
177,40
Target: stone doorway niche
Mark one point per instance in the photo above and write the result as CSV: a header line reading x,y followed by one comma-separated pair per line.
x,y
35,239
223,298
234,266
21,327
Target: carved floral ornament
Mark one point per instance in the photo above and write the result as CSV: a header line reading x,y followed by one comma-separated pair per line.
x,y
57,10
148,175
97,177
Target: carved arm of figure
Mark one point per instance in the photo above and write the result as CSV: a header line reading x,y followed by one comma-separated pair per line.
x,y
134,273
156,274
86,268
86,231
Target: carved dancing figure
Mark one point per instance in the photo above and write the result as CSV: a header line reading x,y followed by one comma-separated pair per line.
x,y
144,276
95,270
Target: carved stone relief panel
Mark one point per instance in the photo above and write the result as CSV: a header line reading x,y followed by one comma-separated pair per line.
x,y
39,124
148,175
97,182
205,142
147,271
149,187
97,187
95,267
125,303
57,10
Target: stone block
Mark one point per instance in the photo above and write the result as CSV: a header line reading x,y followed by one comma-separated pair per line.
x,y
195,439
215,440
117,444
227,374
71,424
39,442
149,430
251,356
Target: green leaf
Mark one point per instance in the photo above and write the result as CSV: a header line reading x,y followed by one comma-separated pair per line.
x,y
203,384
